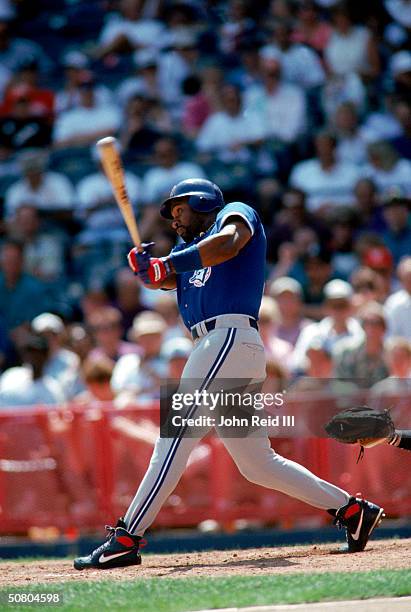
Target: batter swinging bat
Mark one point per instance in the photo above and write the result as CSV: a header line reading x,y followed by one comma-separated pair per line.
x,y
113,169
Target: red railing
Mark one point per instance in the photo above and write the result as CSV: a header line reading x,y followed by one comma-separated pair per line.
x,y
78,468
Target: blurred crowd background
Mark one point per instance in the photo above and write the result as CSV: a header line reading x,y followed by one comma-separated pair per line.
x,y
300,108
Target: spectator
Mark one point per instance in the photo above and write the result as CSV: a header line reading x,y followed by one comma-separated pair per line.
x,y
76,66
248,72
317,272
281,106
39,187
139,134
293,217
397,235
380,259
386,169
105,325
229,133
127,298
26,79
351,48
367,286
238,25
29,385
102,220
382,124
196,108
269,319
44,251
175,352
175,66
402,143
361,358
96,373
22,297
166,306
398,305
333,328
341,88
79,340
158,181
399,11
62,364
300,64
344,260
400,66
22,127
128,30
319,362
88,122
14,50
142,375
397,352
327,181
146,80
351,146
288,293
367,206
310,29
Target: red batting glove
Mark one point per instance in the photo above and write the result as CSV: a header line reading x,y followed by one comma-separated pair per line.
x,y
151,270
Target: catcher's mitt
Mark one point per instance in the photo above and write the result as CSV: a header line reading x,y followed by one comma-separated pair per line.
x,y
362,424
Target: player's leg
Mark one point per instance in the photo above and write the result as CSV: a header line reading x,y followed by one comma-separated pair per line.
x,y
169,459
260,464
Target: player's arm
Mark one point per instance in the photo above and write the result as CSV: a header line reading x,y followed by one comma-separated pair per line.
x,y
213,250
226,244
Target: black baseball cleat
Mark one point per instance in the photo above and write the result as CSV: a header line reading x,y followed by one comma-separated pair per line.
x,y
359,517
120,549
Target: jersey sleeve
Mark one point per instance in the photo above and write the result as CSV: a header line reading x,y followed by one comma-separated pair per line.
x,y
238,209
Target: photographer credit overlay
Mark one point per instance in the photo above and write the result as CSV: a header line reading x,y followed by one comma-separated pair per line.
x,y
232,407
237,408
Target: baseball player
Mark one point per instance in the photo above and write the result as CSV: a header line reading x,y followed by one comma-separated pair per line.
x,y
218,272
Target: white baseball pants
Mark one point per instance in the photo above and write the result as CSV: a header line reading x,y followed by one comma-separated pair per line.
x,y
232,350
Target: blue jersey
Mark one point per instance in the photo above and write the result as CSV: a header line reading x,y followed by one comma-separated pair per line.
x,y
233,287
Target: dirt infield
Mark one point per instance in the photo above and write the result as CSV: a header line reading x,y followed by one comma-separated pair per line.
x,y
382,554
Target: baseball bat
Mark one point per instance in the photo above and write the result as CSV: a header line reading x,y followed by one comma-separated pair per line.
x,y
113,169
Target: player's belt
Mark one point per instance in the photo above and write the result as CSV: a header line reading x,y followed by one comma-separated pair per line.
x,y
208,326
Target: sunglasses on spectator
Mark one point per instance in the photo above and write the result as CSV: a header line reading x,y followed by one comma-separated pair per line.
x,y
104,327
340,305
373,322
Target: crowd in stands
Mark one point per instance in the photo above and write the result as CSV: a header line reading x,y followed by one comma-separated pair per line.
x,y
300,108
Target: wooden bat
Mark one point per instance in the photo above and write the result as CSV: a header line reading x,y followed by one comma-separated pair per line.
x,y
113,169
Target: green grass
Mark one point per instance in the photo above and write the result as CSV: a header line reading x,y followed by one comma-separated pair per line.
x,y
180,595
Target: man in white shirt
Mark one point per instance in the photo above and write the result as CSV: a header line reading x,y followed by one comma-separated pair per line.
x,y
90,121
338,325
97,208
398,305
228,131
386,169
39,187
168,171
281,106
62,365
300,64
327,181
129,29
29,385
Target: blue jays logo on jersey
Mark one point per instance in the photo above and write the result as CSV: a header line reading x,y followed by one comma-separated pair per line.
x,y
200,277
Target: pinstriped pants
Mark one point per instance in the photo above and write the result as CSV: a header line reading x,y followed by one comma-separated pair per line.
x,y
227,352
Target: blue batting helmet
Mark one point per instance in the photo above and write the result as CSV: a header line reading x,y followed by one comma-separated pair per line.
x,y
203,196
